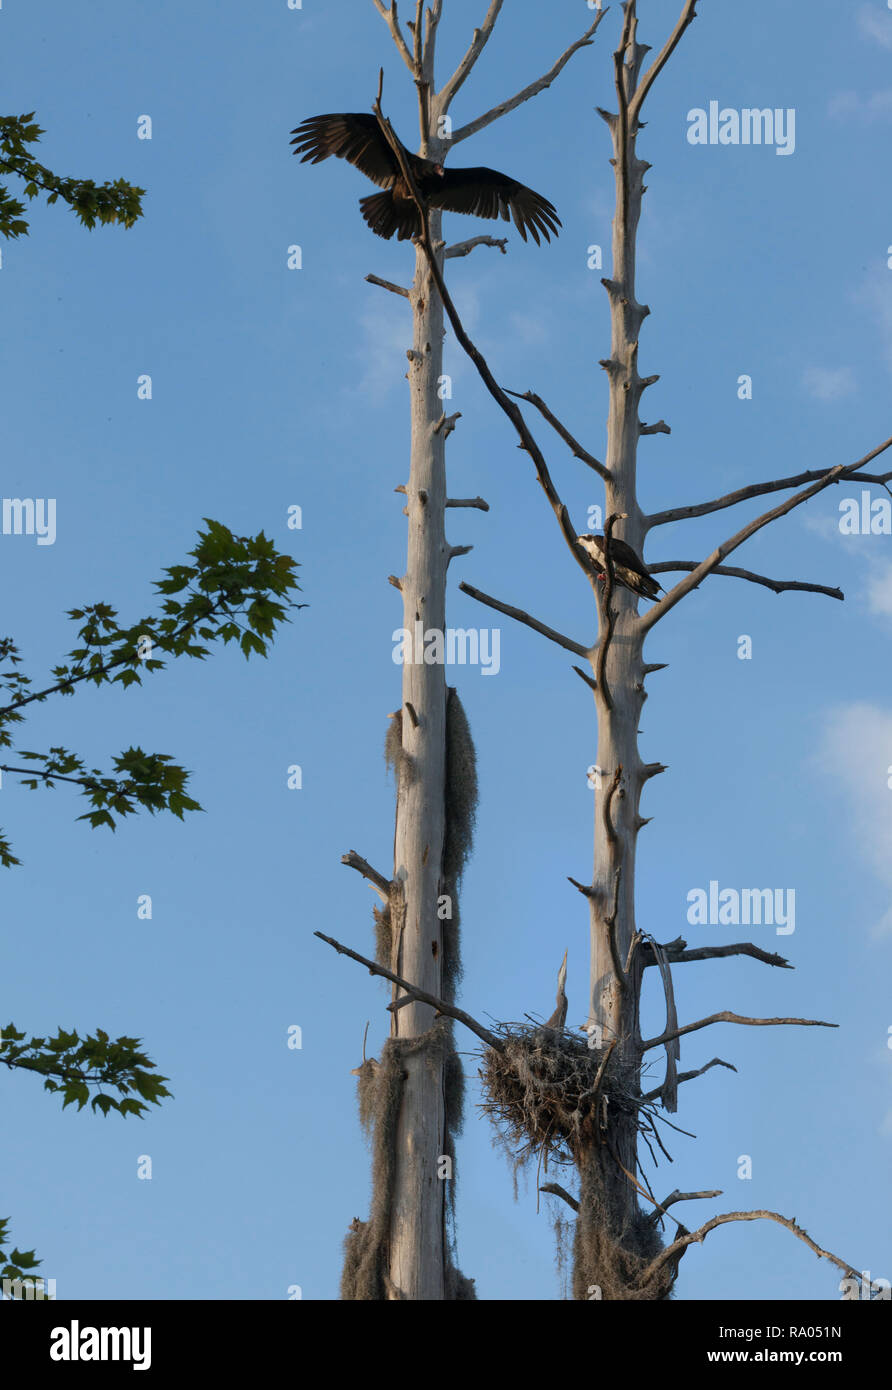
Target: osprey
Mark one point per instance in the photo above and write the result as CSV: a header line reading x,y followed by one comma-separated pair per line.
x,y
628,570
359,139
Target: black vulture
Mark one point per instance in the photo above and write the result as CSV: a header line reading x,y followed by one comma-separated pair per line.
x,y
358,138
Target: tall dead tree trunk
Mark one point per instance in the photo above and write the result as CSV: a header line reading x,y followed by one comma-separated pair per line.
x,y
411,1097
552,1095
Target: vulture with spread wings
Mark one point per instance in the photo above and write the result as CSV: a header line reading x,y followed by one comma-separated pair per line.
x,y
481,192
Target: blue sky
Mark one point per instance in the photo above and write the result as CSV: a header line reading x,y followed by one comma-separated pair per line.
x,y
273,388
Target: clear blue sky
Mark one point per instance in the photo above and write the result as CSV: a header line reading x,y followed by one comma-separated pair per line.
x,y
275,387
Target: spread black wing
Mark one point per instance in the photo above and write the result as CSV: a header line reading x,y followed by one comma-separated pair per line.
x,y
350,135
487,193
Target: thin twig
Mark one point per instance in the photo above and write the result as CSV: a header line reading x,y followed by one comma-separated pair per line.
x,y
778,586
678,954
678,1247
573,444
530,91
608,613
689,1076
388,285
555,1189
608,801
727,1017
743,494
676,1196
610,921
517,613
378,881
686,17
436,1003
464,248
479,40
393,24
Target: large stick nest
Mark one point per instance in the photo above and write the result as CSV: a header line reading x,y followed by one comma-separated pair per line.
x,y
541,1094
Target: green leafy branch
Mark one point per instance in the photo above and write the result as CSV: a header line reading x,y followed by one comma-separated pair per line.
x,y
18,1263
237,590
72,1065
152,782
116,201
234,592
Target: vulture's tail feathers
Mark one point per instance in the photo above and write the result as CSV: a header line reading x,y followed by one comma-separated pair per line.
x,y
384,218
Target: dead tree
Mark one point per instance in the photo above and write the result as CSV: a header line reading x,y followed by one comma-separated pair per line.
x,y
410,1097
582,1103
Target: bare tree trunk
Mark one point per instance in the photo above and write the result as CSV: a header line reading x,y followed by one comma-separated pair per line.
x,y
417,1256
620,694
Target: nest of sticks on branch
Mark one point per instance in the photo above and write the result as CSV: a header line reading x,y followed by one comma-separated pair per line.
x,y
545,1093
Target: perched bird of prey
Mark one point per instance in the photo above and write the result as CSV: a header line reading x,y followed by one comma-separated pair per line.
x,y
358,138
628,570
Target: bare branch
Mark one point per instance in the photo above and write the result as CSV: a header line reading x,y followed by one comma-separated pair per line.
x,y
678,1247
676,1196
610,921
677,953
532,90
777,586
583,675
381,884
477,502
727,1017
608,614
551,633
743,494
689,1076
686,17
479,40
393,24
685,586
464,248
575,447
447,423
417,31
388,285
432,19
439,1004
659,428
608,802
557,1191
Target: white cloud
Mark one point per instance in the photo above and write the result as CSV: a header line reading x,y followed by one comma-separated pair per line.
x,y
829,383
876,24
856,750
